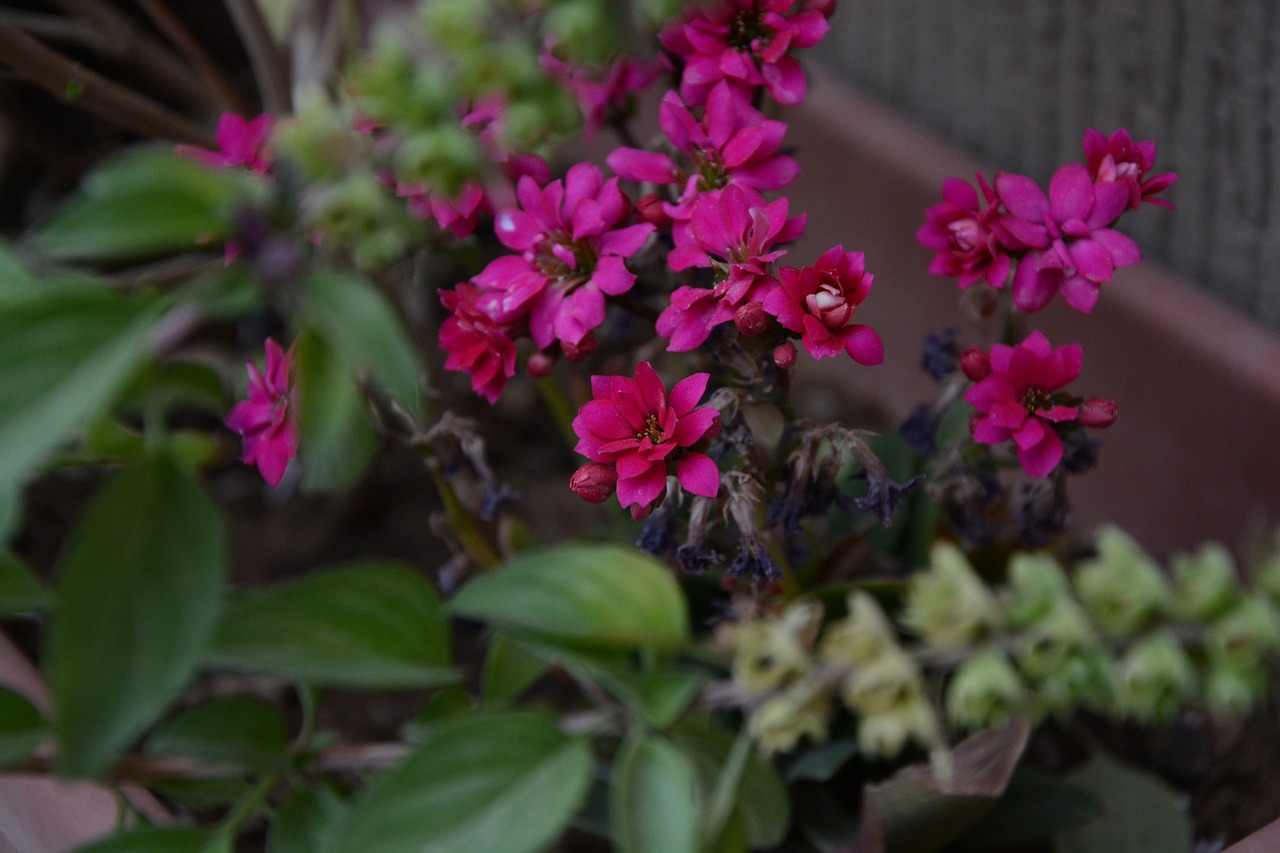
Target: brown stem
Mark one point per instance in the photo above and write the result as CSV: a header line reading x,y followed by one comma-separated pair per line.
x,y
70,81
123,40
269,67
181,37
53,27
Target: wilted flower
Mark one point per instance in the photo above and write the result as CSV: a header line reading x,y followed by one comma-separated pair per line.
x,y
266,421
819,302
635,426
241,142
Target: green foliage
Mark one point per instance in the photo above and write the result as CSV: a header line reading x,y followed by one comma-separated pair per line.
x,y
1139,813
654,806
234,731
22,728
364,625
483,782
159,840
337,438
20,592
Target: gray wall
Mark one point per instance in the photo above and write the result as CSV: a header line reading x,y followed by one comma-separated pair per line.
x,y
1018,81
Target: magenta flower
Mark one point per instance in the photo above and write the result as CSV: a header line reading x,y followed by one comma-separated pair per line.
x,y
478,339
573,244
734,232
745,42
609,95
241,143
819,303
1118,158
732,143
1072,248
970,242
635,426
266,421
1019,399
459,214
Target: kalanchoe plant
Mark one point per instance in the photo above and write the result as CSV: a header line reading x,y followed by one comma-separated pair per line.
x,y
808,606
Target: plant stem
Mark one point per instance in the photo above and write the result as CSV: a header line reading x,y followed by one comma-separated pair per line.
x,y
174,30
69,81
561,409
245,809
476,546
269,68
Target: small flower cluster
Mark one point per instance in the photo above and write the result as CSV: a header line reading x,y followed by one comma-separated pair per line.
x,y
1119,635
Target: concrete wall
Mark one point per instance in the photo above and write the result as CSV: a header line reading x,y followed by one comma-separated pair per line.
x,y
1018,81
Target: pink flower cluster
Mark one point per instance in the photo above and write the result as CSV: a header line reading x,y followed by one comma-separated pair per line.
x,y
1019,397
241,142
1062,241
635,433
267,420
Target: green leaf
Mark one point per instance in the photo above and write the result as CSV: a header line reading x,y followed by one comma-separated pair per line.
x,y
367,333
141,587
821,762
233,731
20,592
1036,807
144,202
337,437
154,840
654,803
363,626
509,670
21,727
10,509
1140,812
62,359
305,820
16,281
477,784
602,595
762,800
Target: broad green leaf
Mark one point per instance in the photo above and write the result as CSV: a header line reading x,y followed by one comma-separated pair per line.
x,y
1036,807
481,783
10,509
177,383
654,803
363,626
16,281
143,202
602,595
448,702
367,333
234,731
21,727
141,587
203,794
20,592
509,670
62,359
821,762
337,438
1139,812
156,840
762,800
305,820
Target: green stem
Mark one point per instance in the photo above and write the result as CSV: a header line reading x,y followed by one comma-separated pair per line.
x,y
245,810
477,547
561,409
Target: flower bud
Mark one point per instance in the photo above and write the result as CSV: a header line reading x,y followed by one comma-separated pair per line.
x,y
1122,589
1081,677
581,350
886,734
650,208
751,319
1207,585
1097,412
975,363
539,364
1036,582
802,709
768,652
784,355
1248,632
985,691
1232,688
594,482
883,684
862,636
1153,680
948,605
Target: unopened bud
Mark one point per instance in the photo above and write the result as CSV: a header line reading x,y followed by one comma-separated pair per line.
x,y
975,363
539,364
594,482
785,355
751,319
1122,588
802,709
1098,412
1207,584
1154,679
650,208
985,691
577,352
949,605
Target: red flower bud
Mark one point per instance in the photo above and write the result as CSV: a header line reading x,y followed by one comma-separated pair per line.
x,y
1098,412
594,482
975,363
584,348
785,355
539,364
650,209
751,319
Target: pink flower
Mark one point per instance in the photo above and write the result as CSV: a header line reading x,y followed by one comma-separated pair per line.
x,y
1118,158
1073,249
1019,400
573,244
970,242
745,42
602,99
459,215
266,421
732,143
241,143
478,339
635,426
819,303
734,232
